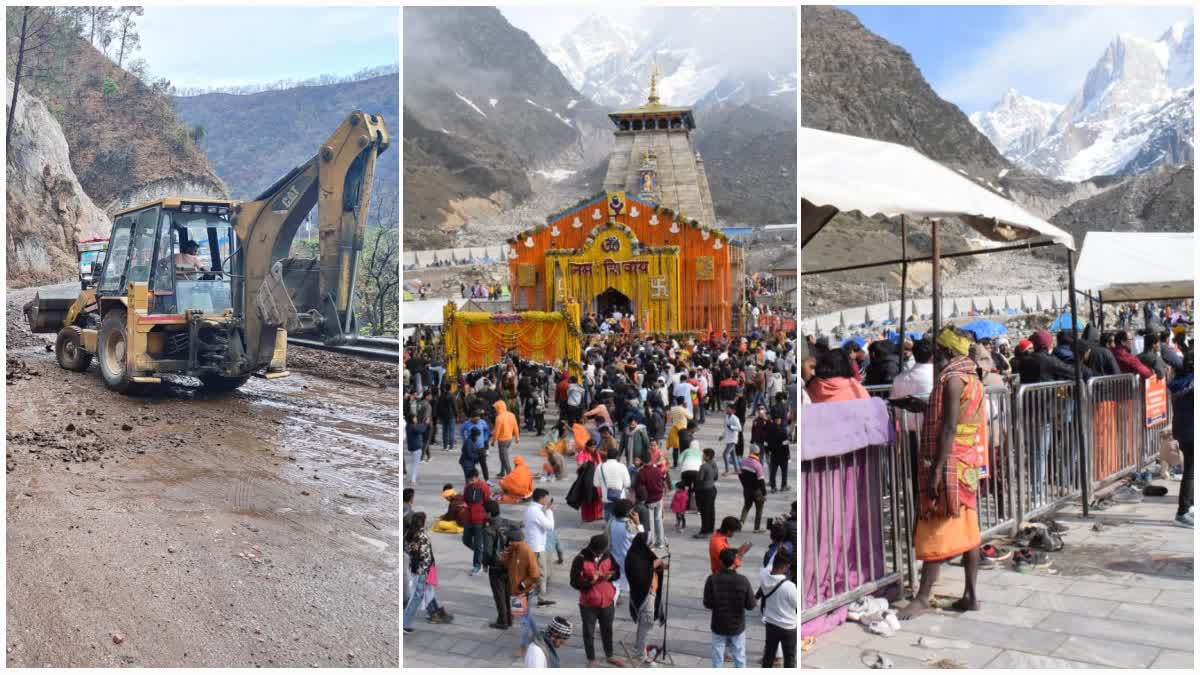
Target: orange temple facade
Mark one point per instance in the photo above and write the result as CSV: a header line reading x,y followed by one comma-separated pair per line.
x,y
617,251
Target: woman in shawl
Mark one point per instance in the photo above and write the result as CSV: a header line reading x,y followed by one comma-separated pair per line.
x,y
644,575
754,489
589,510
948,473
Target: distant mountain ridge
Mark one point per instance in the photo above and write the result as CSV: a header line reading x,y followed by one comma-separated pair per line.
x,y
253,139
1133,112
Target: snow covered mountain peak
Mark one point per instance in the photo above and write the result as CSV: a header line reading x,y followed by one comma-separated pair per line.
x,y
609,59
1133,111
1017,123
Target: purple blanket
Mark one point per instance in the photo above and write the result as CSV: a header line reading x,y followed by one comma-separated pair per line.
x,y
828,429
842,530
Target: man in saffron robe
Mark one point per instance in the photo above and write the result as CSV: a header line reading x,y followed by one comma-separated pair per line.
x,y
948,474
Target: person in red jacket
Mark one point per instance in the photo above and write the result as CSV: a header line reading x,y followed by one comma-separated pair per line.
x,y
592,573
475,494
1126,361
650,479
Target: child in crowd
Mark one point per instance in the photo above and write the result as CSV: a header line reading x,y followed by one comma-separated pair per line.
x,y
679,504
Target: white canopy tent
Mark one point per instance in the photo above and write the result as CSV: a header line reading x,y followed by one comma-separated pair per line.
x,y
848,173
1136,266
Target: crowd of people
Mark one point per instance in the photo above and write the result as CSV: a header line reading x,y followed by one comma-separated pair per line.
x,y
949,459
627,419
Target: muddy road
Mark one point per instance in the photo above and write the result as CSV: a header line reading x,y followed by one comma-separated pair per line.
x,y
177,528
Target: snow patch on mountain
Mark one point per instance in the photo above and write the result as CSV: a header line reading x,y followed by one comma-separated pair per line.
x,y
466,100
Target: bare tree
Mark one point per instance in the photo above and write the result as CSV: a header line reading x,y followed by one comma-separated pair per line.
x,y
130,41
34,33
379,274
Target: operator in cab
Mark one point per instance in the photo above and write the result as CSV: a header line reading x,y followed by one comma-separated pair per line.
x,y
187,264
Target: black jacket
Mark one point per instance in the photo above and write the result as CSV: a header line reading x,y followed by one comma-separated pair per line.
x,y
1044,367
728,595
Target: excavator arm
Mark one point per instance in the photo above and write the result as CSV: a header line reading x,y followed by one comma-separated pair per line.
x,y
307,297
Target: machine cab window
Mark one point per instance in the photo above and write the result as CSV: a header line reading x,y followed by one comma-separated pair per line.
x,y
196,248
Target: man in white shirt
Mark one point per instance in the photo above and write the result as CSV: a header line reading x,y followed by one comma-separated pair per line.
x,y
916,381
539,522
779,613
611,475
683,389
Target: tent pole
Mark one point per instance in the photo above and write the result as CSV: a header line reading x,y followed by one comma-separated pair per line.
x,y
937,292
1091,311
1085,479
903,279
1100,299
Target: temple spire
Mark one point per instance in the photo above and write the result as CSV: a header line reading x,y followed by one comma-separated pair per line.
x,y
653,98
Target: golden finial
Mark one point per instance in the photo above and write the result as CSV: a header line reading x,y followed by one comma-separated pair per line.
x,y
653,84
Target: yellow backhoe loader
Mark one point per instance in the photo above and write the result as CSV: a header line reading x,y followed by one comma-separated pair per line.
x,y
207,288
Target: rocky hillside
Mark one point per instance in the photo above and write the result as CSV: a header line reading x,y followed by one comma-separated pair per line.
x,y
503,110
46,209
127,145
1160,200
253,139
749,152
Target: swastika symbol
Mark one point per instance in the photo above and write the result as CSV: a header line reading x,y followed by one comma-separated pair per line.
x,y
658,288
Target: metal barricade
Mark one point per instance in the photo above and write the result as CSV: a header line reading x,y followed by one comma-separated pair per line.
x,y
997,502
878,390
1047,433
857,537
1115,427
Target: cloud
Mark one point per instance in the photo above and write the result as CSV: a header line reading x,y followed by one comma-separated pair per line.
x,y
1048,52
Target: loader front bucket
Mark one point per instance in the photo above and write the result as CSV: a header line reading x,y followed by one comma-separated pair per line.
x,y
47,314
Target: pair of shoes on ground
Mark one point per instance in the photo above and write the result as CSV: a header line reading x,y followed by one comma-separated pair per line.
x,y
991,556
1026,560
1039,537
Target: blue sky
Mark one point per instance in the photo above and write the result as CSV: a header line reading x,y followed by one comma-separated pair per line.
x,y
971,54
230,45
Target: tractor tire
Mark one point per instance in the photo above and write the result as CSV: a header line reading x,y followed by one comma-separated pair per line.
x,y
218,383
112,350
68,349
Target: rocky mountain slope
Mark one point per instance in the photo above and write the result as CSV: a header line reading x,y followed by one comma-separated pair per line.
x,y
701,55
127,145
253,139
1158,200
46,209
749,152
504,112
1134,111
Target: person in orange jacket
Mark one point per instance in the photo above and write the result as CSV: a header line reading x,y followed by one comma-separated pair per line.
x,y
504,434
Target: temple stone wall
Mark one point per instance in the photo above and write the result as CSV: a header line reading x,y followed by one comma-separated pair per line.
x,y
682,183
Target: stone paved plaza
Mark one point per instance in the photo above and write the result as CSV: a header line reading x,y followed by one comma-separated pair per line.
x,y
469,642
1122,597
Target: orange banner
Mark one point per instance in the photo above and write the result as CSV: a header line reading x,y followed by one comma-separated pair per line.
x,y
1156,401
